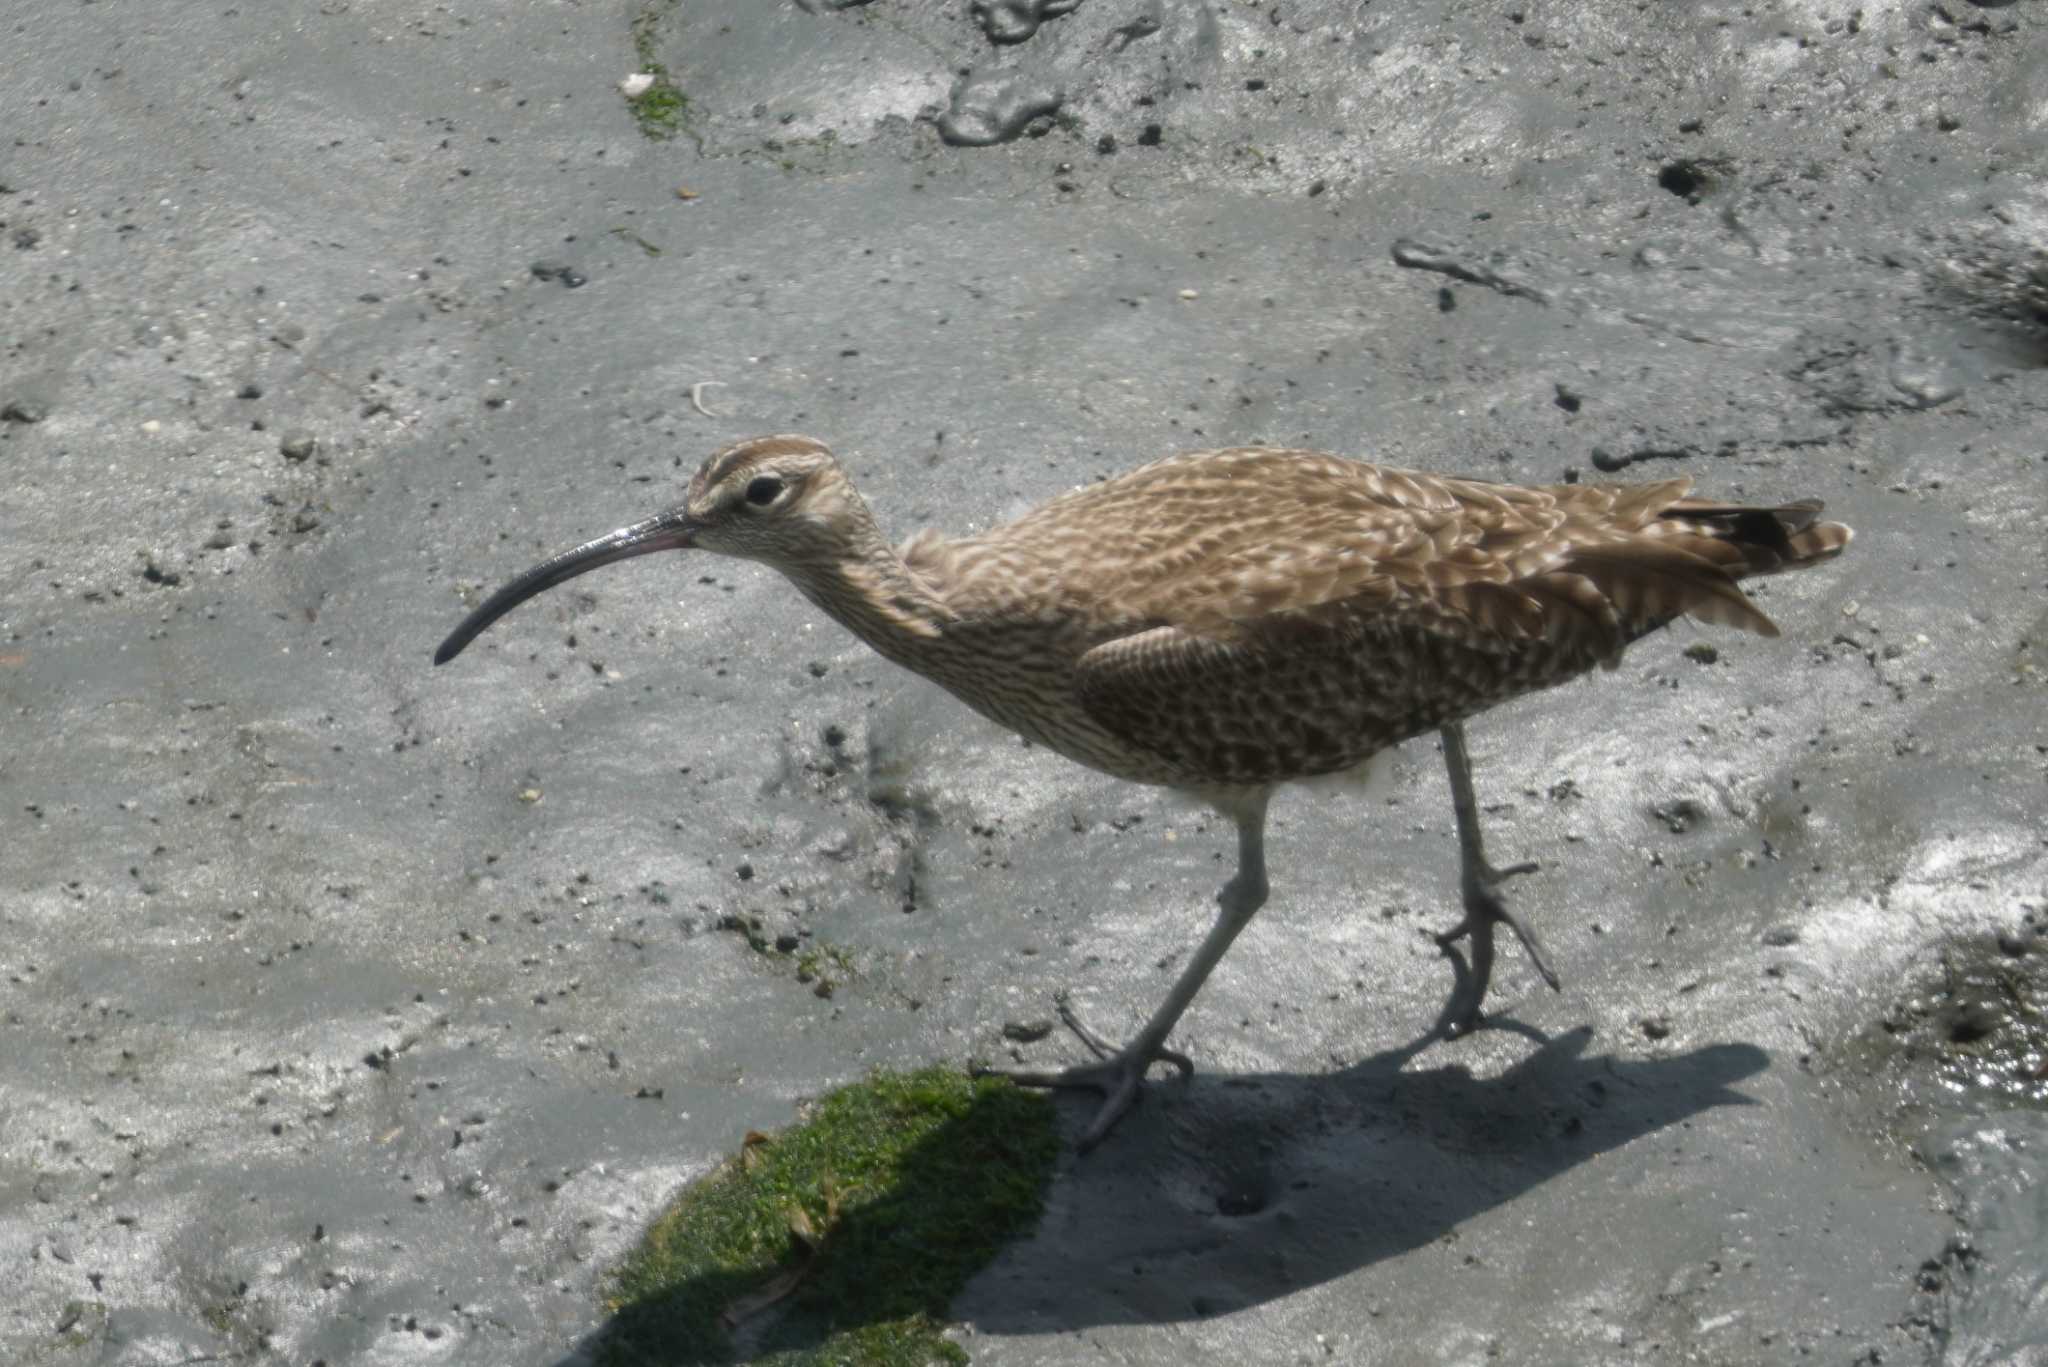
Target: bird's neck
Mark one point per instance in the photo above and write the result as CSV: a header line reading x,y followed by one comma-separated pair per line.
x,y
870,591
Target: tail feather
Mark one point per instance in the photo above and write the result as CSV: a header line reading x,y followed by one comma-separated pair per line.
x,y
1759,540
1651,582
1821,541
1688,558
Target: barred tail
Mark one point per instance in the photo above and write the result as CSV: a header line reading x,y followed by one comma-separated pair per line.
x,y
1688,558
1753,541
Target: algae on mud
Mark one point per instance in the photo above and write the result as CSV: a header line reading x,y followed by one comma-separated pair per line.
x,y
845,1237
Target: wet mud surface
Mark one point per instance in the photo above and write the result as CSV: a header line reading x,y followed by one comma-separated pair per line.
x,y
355,1011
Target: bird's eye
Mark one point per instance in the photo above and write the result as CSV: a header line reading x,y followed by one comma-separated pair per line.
x,y
762,490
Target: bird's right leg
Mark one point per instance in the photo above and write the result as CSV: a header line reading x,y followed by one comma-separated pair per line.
x,y
1480,882
1117,1073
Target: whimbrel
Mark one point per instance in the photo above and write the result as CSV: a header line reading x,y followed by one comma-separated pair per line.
x,y
1227,621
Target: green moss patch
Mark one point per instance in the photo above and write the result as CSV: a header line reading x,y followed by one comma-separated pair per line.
x,y
818,964
662,110
843,1239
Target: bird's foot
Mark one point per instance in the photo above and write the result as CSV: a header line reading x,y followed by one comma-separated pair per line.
x,y
1116,1074
1485,908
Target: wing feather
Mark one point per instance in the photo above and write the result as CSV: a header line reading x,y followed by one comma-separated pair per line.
x,y
1235,546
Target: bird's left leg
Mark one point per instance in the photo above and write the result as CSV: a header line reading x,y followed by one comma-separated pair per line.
x,y
1117,1072
1480,882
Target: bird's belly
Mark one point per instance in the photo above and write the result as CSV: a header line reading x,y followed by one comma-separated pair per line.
x,y
1253,721
1031,692
1061,725
1321,708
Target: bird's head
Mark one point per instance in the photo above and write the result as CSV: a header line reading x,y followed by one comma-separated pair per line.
x,y
782,500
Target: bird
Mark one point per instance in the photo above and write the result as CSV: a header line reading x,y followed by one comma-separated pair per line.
x,y
1225,622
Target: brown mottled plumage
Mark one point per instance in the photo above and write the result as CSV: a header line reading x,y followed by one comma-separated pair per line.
x,y
1227,621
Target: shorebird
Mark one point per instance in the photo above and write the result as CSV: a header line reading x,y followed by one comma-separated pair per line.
x,y
1228,621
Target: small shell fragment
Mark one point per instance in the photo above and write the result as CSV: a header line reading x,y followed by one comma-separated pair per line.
x,y
697,396
639,83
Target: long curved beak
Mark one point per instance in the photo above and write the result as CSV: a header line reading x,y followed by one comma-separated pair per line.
x,y
669,531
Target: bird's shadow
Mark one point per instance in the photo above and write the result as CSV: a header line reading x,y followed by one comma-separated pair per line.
x,y
1234,1190
1247,1188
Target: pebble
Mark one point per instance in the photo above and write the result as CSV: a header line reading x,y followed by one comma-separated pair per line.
x,y
570,277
